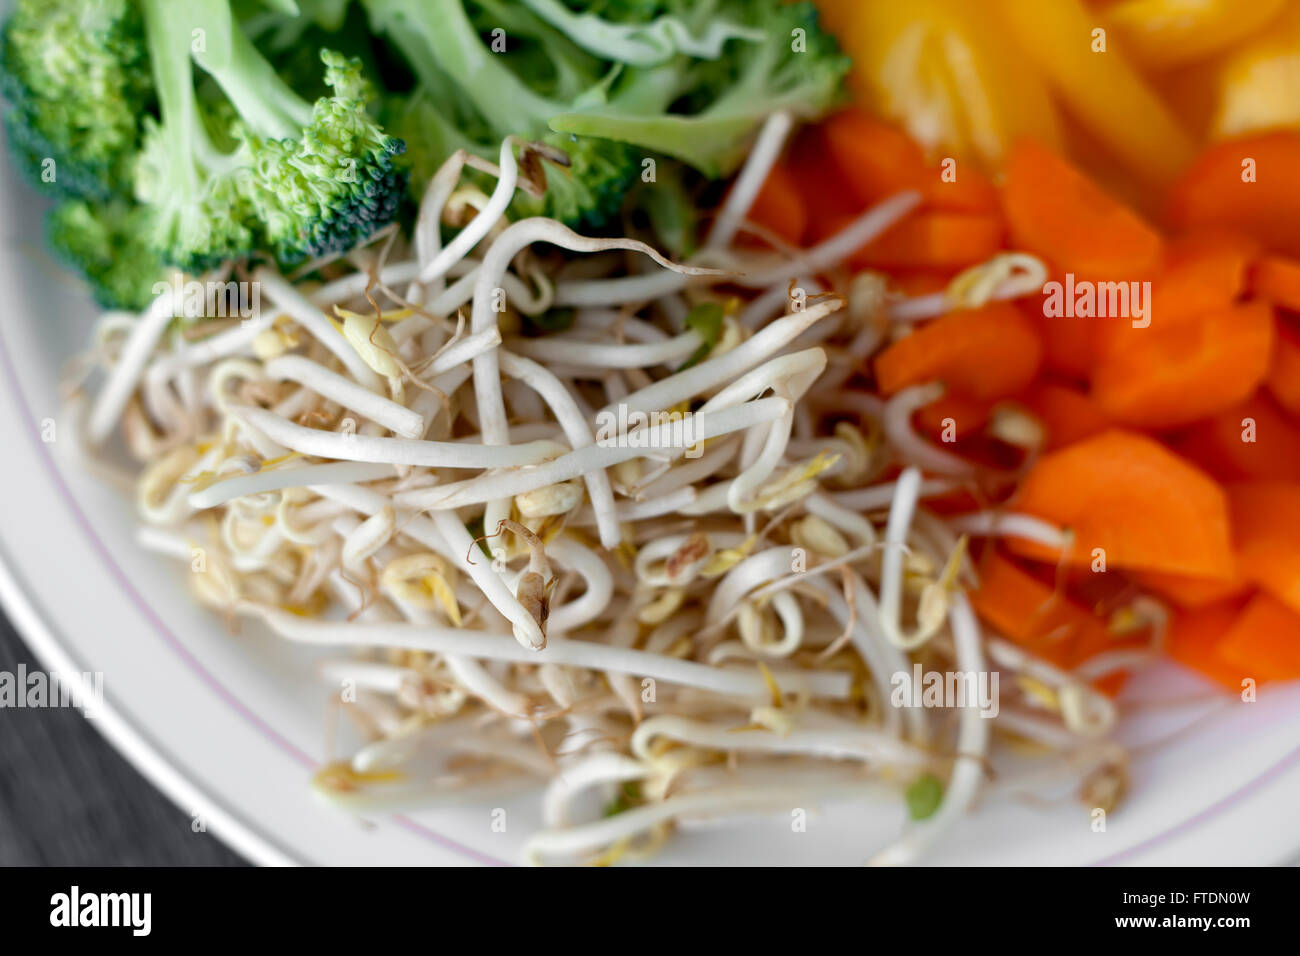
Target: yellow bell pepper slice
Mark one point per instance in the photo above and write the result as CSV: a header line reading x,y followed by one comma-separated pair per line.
x,y
1109,98
1158,34
945,73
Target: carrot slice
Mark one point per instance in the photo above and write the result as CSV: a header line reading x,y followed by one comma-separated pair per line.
x,y
968,415
878,160
1265,530
1031,613
1166,377
779,206
826,194
986,353
1189,592
933,240
1277,279
1194,637
1264,642
1127,494
1254,439
1057,212
1284,373
1067,413
1247,184
1070,342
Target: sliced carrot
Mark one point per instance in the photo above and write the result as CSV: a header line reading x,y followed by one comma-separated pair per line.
x,y
1058,213
779,206
919,283
933,240
1034,615
1070,343
966,415
827,195
1265,531
1264,641
878,159
1067,413
1284,373
1167,377
1127,494
1189,592
1247,184
1277,279
1194,637
986,353
1254,439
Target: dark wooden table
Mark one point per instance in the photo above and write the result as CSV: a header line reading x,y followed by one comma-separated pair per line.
x,y
67,798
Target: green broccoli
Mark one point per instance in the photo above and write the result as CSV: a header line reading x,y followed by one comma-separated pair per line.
x,y
606,89
107,243
77,77
267,170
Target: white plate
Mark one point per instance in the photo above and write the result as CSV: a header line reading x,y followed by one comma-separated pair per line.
x,y
231,726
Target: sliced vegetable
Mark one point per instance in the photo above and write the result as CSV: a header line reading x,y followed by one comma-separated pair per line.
x,y
1068,414
1055,211
1265,530
878,159
1264,642
1033,614
1194,639
946,72
924,794
985,353
1246,184
1284,373
1164,377
1255,439
1101,89
1277,279
1125,493
933,240
1159,34
779,205
1190,592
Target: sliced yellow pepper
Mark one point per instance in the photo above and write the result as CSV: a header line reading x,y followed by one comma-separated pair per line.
x,y
1111,100
945,73
1158,34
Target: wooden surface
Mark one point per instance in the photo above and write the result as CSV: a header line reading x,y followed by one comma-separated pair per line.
x,y
67,798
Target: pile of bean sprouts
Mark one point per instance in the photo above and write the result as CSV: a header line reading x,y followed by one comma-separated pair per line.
x,y
677,625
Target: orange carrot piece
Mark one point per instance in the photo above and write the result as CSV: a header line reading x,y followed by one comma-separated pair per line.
x,y
1127,494
986,353
1277,279
1265,531
779,206
1029,612
1058,213
1264,642
1255,439
1068,414
1189,592
879,160
1194,637
1284,373
826,194
933,240
1248,184
968,415
1167,377
1070,343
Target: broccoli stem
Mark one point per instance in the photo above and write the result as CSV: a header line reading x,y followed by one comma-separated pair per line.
x,y
436,36
267,104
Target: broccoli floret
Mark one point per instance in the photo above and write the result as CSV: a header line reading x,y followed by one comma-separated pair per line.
x,y
281,175
608,90
76,75
108,244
